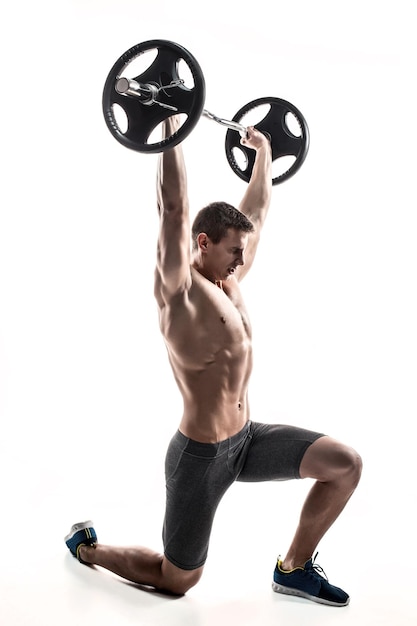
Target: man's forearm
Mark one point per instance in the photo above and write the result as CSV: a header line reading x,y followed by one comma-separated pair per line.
x,y
257,197
172,176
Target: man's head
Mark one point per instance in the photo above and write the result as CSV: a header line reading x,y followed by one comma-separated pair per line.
x,y
219,237
216,219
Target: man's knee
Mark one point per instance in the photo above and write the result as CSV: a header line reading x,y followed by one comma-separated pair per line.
x,y
348,465
354,465
328,459
179,581
186,582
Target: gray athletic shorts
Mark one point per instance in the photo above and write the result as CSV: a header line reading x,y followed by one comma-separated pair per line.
x,y
198,475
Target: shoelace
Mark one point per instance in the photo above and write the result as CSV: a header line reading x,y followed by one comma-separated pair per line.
x,y
317,568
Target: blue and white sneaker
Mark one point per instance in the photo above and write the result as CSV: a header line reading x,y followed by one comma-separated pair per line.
x,y
81,534
308,582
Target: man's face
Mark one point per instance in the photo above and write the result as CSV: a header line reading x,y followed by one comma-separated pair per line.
x,y
224,258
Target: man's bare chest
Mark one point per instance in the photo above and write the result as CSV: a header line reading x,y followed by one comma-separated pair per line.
x,y
221,305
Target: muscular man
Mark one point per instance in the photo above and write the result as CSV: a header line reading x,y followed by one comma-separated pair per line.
x,y
208,337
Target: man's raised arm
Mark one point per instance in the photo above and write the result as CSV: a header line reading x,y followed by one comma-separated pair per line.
x,y
255,203
173,261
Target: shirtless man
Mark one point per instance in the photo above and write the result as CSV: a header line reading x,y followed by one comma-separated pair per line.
x,y
208,338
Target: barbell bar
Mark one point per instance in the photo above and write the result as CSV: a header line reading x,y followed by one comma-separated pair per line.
x,y
159,91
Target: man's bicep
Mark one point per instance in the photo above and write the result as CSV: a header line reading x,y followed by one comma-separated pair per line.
x,y
249,255
174,253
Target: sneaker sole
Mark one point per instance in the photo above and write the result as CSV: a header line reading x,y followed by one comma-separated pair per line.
x,y
77,527
290,591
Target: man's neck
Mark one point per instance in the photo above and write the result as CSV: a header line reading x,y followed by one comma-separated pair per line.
x,y
201,271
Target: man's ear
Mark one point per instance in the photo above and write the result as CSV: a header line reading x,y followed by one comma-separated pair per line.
x,y
203,242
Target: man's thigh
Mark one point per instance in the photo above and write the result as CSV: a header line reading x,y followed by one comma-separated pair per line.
x,y
276,452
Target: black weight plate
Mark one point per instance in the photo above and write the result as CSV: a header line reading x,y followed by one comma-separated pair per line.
x,y
142,118
284,142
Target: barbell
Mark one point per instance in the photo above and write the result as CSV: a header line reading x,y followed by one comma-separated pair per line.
x,y
170,81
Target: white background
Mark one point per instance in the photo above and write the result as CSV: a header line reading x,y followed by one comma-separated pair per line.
x,y
87,400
